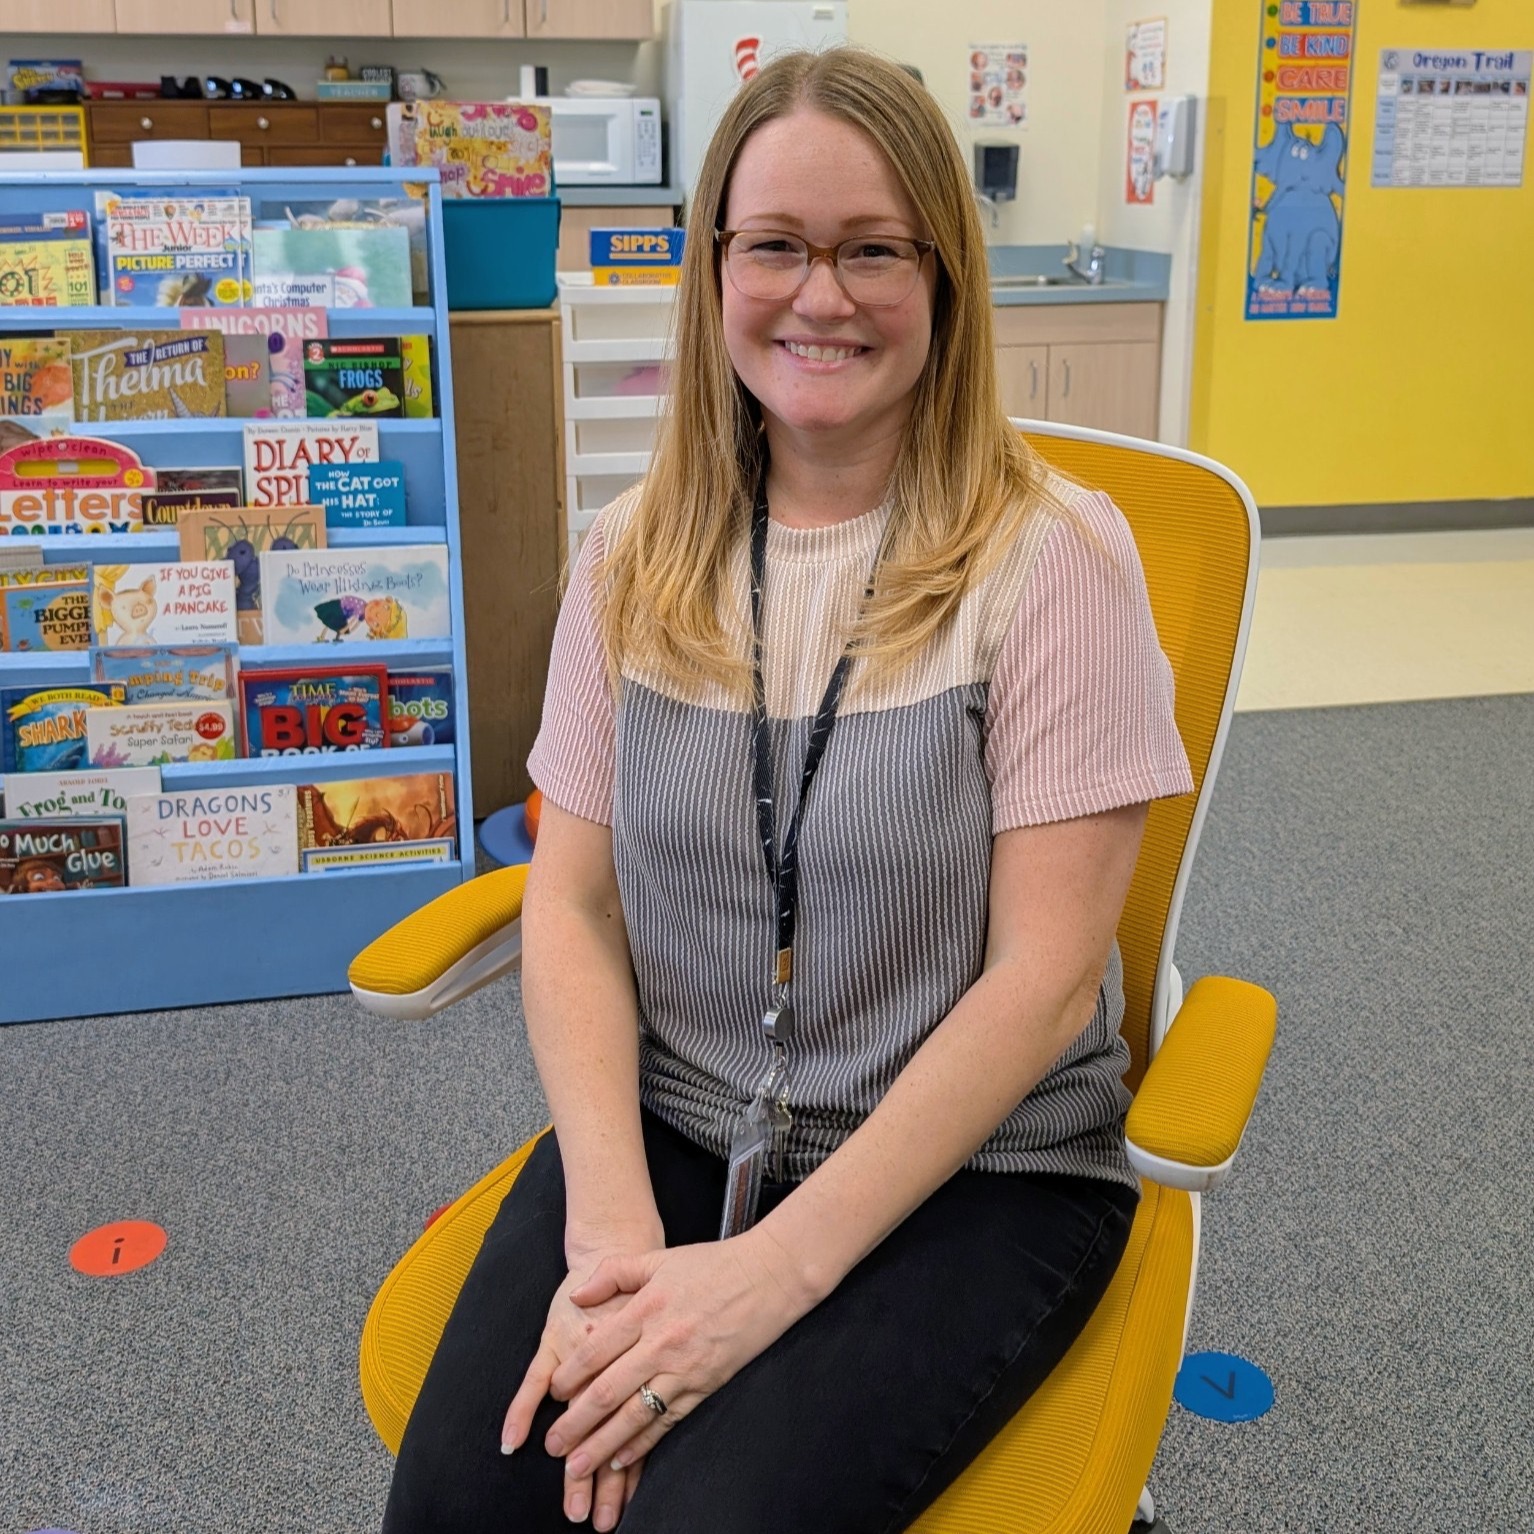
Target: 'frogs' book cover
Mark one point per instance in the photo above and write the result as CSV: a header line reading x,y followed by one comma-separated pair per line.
x,y
38,857
213,834
355,375
42,729
314,710
340,595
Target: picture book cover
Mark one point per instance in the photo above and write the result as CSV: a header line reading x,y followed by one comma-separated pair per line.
x,y
147,375
413,807
483,148
239,538
284,332
47,259
42,729
46,617
162,673
314,710
220,478
38,857
354,375
419,401
152,734
166,252
190,603
372,495
72,485
36,384
319,860
40,574
247,378
213,834
353,268
407,213
164,508
39,795
341,595
421,707
279,455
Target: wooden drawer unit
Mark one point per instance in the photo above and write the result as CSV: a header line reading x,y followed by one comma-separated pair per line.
x,y
320,154
125,122
261,124
353,125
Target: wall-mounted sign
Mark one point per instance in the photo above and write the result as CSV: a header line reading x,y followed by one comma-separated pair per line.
x,y
1139,180
998,85
1299,161
1451,117
1145,55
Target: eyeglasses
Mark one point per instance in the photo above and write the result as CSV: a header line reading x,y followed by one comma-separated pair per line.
x,y
876,270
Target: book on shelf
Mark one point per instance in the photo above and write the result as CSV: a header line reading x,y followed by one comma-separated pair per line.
x,y
47,259
341,595
45,616
355,376
168,252
314,710
411,807
333,268
284,331
167,673
155,734
238,537
42,729
136,375
164,509
419,401
279,455
348,858
407,213
72,484
421,707
161,604
209,835
247,377
220,477
96,791
369,495
69,853
36,383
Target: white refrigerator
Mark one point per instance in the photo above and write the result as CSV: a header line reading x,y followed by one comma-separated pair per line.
x,y
714,45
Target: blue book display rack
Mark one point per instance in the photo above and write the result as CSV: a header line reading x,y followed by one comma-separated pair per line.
x,y
84,953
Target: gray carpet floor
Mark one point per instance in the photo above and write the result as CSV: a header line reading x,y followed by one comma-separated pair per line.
x,y
1370,865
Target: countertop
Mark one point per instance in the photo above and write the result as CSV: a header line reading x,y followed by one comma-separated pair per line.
x,y
620,196
1130,276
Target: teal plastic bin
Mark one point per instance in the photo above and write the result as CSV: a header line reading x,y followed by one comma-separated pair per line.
x,y
500,251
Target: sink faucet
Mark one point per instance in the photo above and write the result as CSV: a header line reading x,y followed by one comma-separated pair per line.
x,y
1096,261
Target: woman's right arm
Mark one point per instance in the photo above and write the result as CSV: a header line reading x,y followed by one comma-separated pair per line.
x,y
583,1023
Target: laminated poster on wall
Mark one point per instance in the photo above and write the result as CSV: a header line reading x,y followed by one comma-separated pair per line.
x,y
998,84
1299,159
1145,55
1139,182
1451,117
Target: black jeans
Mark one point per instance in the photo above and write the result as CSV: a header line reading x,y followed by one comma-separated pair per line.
x,y
851,1423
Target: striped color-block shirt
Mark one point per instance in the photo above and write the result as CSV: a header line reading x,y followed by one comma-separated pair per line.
x,y
1045,698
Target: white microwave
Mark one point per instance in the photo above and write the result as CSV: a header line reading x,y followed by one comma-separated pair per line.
x,y
606,140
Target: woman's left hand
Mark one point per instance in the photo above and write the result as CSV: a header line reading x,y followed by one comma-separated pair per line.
x,y
699,1315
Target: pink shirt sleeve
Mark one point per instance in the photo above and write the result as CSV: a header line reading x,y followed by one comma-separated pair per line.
x,y
572,758
1079,715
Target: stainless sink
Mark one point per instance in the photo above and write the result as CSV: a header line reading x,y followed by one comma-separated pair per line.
x,y
1037,280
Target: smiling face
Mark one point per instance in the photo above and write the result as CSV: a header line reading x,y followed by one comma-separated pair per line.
x,y
824,369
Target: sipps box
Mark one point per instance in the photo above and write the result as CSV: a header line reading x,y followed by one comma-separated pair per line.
x,y
636,257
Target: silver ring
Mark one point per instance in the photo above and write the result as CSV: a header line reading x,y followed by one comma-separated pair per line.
x,y
652,1400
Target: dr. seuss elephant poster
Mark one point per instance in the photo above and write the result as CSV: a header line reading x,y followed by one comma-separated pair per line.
x,y
1300,159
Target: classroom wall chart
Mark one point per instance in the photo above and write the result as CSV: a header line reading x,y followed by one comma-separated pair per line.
x,y
1299,159
1455,117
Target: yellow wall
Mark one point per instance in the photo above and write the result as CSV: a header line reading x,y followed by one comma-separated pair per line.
x,y
1422,388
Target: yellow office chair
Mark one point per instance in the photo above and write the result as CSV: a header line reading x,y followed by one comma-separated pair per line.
x,y
1074,1460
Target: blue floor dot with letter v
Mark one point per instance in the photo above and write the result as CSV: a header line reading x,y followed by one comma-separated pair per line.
x,y
1223,1387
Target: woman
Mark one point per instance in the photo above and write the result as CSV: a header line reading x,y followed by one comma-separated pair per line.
x,y
823,988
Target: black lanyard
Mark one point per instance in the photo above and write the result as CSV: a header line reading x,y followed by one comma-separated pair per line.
x,y
782,875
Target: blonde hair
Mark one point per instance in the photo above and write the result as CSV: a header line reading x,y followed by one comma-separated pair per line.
x,y
964,479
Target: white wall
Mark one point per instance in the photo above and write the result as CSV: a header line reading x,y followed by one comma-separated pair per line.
x,y
1170,223
1058,176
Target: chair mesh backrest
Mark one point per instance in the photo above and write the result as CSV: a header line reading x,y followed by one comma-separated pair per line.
x,y
1194,538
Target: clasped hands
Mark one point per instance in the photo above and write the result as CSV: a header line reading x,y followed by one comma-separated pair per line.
x,y
682,1320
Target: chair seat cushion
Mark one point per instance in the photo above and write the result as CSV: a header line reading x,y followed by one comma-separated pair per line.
x,y
1073,1461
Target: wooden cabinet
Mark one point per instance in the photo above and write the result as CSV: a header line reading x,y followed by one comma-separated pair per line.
x,y
1095,365
460,18
186,18
126,122
269,133
60,16
590,18
333,18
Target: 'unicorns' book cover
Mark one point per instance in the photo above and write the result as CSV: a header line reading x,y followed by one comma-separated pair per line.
x,y
241,537
340,595
165,604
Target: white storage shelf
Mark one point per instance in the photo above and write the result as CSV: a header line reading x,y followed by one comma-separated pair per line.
x,y
94,952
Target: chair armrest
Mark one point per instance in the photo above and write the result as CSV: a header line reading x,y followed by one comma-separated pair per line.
x,y
1191,1111
451,946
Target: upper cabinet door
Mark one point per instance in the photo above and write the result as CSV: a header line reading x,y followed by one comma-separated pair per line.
x,y
190,17
333,18
61,16
590,18
460,18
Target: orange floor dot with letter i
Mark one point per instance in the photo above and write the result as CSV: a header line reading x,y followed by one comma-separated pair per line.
x,y
117,1248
